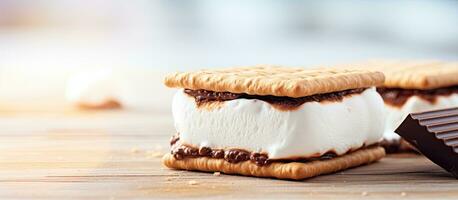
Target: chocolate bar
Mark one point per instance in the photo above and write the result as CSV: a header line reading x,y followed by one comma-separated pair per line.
x,y
435,135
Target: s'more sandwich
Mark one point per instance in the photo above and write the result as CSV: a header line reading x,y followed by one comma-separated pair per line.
x,y
272,121
414,86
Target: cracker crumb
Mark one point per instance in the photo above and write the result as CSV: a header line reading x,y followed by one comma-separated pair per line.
x,y
364,193
216,173
403,194
193,182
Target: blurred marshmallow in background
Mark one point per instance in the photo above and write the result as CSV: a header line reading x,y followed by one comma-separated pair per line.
x,y
112,88
46,44
94,89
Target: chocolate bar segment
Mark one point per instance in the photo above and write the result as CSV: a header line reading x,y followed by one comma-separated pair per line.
x,y
435,135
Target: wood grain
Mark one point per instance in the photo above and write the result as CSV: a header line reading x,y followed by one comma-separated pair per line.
x,y
116,155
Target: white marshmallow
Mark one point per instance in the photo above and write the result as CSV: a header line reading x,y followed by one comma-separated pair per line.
x,y
396,115
254,125
93,88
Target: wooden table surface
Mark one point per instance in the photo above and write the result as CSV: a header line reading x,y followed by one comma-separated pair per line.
x,y
116,155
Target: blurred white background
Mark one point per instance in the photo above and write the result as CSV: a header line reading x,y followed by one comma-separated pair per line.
x,y
45,42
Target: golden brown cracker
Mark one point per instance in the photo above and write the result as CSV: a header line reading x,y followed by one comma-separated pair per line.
x,y
414,74
289,170
275,80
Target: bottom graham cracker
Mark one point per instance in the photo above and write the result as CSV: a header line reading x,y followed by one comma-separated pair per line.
x,y
280,170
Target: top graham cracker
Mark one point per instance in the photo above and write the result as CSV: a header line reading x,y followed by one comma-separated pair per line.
x,y
275,80
421,75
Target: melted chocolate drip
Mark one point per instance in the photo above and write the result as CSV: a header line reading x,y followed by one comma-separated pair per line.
x,y
284,103
235,155
398,97
174,139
